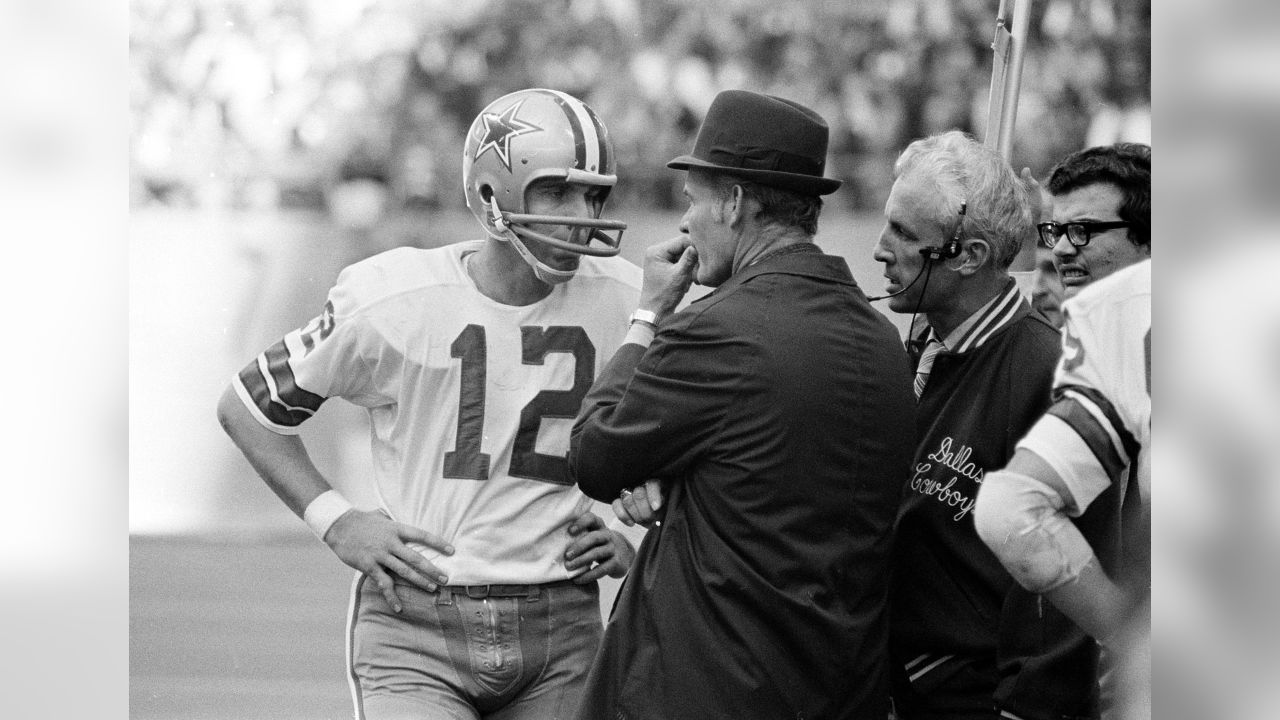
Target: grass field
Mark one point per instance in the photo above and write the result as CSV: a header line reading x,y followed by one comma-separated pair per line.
x,y
236,629
236,613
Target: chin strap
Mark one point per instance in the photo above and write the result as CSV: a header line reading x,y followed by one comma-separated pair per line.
x,y
506,233
545,273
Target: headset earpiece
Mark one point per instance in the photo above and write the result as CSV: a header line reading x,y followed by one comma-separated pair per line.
x,y
948,251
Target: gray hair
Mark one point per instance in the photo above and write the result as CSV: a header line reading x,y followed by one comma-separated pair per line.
x,y
962,169
778,207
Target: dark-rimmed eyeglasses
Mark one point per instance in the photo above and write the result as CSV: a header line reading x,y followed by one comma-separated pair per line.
x,y
1078,233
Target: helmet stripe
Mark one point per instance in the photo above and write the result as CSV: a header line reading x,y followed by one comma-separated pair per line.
x,y
606,162
586,140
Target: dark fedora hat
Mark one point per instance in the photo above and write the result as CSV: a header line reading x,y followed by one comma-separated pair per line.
x,y
765,139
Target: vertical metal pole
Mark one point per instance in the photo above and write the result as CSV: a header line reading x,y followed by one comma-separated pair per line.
x,y
1013,79
1000,46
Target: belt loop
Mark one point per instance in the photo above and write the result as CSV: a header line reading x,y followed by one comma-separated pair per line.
x,y
444,596
534,593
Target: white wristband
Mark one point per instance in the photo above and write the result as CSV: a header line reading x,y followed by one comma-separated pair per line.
x,y
640,333
322,512
648,317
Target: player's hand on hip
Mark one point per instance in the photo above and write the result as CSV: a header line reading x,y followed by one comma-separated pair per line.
x,y
376,545
640,505
668,271
596,551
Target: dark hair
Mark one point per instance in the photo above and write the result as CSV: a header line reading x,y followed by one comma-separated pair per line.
x,y
1127,166
777,206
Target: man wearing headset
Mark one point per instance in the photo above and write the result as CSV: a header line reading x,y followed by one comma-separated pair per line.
x,y
962,645
476,589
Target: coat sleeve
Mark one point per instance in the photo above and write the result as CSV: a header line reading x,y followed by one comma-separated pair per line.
x,y
651,413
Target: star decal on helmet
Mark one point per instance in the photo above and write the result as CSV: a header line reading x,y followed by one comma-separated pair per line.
x,y
500,129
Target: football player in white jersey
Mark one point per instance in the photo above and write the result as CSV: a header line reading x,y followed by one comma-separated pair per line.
x,y
1093,445
475,591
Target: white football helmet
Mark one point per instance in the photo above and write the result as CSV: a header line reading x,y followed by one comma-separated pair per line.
x,y
526,136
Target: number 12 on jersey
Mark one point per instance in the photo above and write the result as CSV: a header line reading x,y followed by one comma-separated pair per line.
x,y
465,460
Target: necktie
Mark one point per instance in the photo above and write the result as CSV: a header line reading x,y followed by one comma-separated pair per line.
x,y
926,363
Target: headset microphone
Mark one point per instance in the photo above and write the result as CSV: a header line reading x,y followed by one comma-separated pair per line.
x,y
908,287
949,250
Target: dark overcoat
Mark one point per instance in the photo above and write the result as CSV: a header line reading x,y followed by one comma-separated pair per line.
x,y
778,411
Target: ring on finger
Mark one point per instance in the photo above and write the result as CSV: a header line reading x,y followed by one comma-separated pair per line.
x,y
624,493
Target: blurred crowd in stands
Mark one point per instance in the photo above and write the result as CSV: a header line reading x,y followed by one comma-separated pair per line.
x,y
271,103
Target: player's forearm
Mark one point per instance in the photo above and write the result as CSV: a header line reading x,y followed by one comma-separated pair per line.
x,y
1092,601
281,461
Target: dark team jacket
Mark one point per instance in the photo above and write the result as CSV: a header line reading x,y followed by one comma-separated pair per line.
x,y
966,639
778,411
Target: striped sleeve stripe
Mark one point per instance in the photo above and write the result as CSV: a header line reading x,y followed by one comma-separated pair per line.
x,y
1060,445
286,392
929,668
918,659
589,144
1095,421
1106,413
270,383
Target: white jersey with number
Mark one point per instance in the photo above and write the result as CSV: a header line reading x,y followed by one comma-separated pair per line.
x,y
470,401
1099,427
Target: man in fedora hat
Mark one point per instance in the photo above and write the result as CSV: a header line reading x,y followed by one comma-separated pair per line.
x,y
776,413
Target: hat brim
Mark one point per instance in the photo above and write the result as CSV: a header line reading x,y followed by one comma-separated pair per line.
x,y
795,182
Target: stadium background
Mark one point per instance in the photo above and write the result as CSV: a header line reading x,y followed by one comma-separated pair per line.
x,y
272,143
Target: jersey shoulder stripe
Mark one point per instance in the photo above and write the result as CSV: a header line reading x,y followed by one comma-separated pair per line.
x,y
269,385
1096,421
270,382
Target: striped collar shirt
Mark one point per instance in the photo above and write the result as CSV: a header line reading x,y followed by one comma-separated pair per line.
x,y
987,321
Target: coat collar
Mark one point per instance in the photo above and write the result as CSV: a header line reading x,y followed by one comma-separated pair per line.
x,y
804,259
1000,312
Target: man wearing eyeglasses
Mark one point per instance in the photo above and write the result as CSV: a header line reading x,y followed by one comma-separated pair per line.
x,y
1101,213
1069,516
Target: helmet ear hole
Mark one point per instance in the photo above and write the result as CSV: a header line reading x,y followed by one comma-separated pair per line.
x,y
486,193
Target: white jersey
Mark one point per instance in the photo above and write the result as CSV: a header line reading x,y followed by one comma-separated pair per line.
x,y
1099,428
470,401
